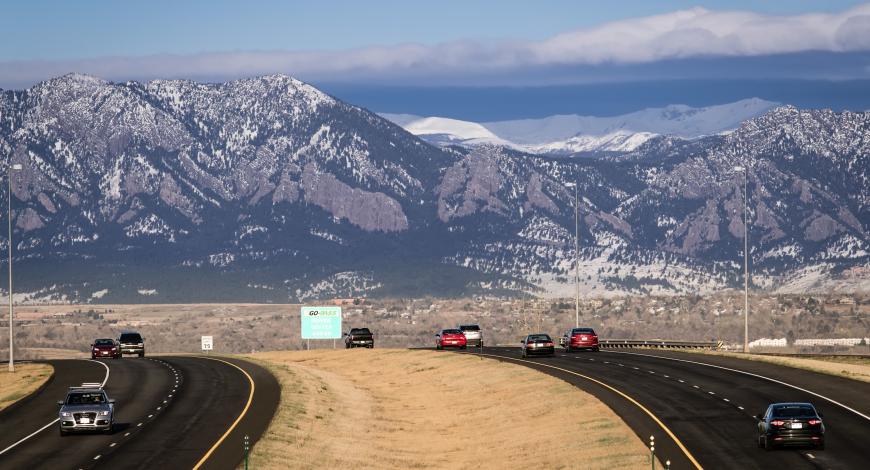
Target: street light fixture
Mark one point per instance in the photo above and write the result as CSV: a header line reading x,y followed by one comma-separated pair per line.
x,y
745,171
11,168
576,254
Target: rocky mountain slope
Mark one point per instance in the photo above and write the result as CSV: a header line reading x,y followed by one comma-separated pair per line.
x,y
267,189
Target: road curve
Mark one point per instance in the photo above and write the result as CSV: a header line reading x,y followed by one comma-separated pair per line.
x,y
171,411
710,409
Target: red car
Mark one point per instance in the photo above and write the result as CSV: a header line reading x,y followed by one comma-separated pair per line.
x,y
452,338
105,347
580,338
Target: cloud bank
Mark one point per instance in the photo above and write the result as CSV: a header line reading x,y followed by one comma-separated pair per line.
x,y
684,34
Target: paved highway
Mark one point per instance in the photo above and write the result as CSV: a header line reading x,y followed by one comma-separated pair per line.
x,y
172,412
708,404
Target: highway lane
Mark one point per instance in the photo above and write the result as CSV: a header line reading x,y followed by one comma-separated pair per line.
x,y
710,410
137,385
171,412
214,395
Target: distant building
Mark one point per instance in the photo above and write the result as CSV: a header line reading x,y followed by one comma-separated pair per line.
x,y
769,343
831,341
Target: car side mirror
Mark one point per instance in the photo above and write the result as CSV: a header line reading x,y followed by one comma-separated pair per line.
x,y
759,417
112,401
60,403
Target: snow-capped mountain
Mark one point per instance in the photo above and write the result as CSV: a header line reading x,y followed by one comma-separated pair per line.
x,y
267,189
572,134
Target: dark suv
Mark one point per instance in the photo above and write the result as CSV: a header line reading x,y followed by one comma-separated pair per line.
x,y
359,338
132,343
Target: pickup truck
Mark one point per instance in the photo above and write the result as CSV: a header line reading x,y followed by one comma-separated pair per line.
x,y
359,338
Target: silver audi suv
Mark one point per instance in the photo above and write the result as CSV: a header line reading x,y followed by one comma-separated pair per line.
x,y
86,409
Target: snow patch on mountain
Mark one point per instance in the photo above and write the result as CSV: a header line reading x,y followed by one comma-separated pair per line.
x,y
569,134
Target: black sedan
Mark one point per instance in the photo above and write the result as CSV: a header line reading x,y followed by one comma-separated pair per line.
x,y
538,344
791,424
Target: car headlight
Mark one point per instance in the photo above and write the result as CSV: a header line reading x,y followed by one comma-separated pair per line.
x,y
104,413
65,414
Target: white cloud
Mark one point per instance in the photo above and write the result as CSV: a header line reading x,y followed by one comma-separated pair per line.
x,y
681,34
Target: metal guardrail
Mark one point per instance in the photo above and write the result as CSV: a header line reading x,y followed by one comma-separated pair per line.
x,y
659,343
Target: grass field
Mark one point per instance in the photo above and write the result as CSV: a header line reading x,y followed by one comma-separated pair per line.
x,y
390,408
17,385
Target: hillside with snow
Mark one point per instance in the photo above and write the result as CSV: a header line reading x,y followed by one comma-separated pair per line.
x,y
269,190
571,134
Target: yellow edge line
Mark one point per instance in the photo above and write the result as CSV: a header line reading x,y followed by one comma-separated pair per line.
x,y
236,422
623,395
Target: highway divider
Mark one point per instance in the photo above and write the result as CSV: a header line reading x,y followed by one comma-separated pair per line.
x,y
659,343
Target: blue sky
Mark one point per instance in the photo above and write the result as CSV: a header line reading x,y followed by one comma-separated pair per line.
x,y
45,30
448,43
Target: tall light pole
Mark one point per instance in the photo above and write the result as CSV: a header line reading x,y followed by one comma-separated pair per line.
x,y
745,171
10,168
576,255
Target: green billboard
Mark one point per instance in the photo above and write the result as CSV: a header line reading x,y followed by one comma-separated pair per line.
x,y
321,322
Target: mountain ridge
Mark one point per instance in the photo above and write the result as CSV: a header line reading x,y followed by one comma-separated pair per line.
x,y
267,189
572,134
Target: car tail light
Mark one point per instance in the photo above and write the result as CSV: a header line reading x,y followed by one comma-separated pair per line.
x,y
777,422
548,344
814,422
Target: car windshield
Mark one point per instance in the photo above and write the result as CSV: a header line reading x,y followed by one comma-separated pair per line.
x,y
536,338
794,411
85,398
451,332
131,338
469,328
104,342
582,331
360,331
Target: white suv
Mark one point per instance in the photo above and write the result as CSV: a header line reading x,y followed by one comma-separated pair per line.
x,y
473,335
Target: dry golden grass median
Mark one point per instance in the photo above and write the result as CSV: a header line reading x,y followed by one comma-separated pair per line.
x,y
17,385
390,408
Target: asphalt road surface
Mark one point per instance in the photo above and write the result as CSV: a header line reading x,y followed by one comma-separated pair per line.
x,y
710,409
171,412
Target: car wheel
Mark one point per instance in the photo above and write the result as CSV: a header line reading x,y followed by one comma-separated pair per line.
x,y
463,347
595,349
767,445
821,446
372,347
141,354
63,433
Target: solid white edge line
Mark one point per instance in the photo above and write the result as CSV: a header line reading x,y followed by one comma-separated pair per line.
x,y
56,419
830,400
